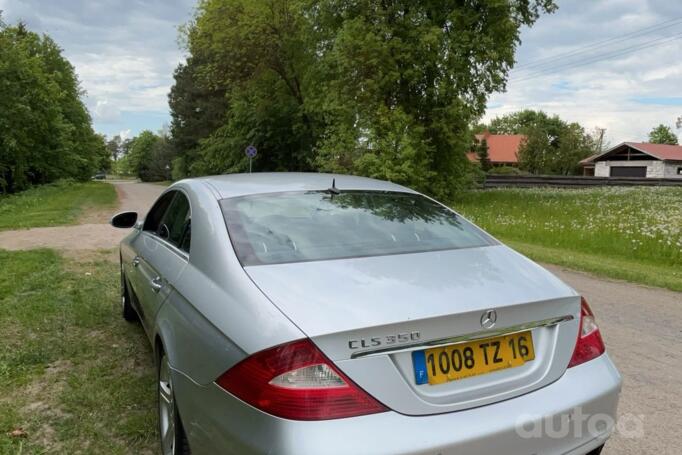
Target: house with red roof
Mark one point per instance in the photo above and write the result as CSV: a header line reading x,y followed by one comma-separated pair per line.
x,y
636,159
503,149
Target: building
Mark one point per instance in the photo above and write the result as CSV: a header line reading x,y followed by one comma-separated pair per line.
x,y
503,149
636,159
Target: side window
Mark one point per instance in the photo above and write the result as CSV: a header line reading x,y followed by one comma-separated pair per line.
x,y
175,225
153,220
186,237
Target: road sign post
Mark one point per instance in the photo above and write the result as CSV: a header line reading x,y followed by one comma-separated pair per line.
x,y
251,152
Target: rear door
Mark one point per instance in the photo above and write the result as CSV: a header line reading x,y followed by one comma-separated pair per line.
x,y
163,251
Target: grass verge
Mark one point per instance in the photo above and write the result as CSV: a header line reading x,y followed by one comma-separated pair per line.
x,y
55,204
629,233
74,377
618,268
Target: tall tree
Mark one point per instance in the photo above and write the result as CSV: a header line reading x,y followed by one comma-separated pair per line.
x,y
552,146
483,155
403,80
139,158
384,89
522,122
197,110
662,134
114,147
45,130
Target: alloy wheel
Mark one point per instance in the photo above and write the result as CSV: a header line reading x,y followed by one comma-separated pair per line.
x,y
166,408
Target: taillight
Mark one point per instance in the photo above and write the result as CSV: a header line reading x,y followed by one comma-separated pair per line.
x,y
297,381
590,344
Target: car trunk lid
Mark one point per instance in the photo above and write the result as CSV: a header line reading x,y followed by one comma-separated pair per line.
x,y
369,314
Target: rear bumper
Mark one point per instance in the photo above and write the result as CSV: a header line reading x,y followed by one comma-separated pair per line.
x,y
535,423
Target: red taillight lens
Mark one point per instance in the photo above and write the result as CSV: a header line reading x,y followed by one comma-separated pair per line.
x,y
296,381
590,344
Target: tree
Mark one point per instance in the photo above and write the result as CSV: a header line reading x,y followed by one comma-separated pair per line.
x,y
139,158
248,59
149,157
662,134
104,161
482,154
426,67
161,159
383,89
522,122
114,147
552,145
197,110
45,130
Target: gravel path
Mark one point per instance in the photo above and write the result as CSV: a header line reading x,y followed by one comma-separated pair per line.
x,y
96,233
642,327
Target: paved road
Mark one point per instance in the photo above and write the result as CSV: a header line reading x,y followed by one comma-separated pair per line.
x,y
96,233
642,327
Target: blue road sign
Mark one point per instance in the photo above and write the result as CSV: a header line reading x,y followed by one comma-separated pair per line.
x,y
251,151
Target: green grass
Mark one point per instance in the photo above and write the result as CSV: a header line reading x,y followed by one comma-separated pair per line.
x,y
54,204
73,375
633,234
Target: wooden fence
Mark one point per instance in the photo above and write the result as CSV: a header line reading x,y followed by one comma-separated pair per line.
x,y
496,181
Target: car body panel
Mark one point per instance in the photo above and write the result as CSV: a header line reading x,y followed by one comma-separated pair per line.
x,y
157,262
211,284
341,295
437,295
235,185
593,388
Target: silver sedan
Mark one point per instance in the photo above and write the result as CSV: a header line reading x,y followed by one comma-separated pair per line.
x,y
317,313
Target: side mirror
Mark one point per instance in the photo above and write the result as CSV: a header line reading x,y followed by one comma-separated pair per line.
x,y
124,220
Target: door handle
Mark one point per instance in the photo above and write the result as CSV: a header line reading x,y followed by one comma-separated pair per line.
x,y
156,284
136,261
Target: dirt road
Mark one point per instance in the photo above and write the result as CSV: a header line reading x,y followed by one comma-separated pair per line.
x,y
642,327
95,233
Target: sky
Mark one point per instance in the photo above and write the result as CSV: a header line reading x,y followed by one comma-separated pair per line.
x,y
125,52
565,66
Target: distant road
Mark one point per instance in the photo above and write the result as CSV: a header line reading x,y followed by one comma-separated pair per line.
x,y
95,233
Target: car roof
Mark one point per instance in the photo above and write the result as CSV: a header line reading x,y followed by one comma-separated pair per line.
x,y
234,185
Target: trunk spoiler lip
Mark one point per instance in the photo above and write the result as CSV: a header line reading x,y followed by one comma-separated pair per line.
x,y
462,338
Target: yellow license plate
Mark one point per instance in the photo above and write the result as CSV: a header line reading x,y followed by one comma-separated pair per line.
x,y
464,360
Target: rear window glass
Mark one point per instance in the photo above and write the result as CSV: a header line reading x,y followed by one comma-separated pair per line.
x,y
316,225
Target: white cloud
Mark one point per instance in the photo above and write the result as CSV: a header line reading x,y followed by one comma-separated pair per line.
x,y
124,52
106,112
125,134
606,92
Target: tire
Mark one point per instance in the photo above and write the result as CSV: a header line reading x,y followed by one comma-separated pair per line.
x,y
127,310
172,438
596,451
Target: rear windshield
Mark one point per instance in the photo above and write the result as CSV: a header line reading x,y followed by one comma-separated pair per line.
x,y
316,225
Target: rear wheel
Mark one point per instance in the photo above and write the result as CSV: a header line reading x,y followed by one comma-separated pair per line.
x,y
127,309
173,439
